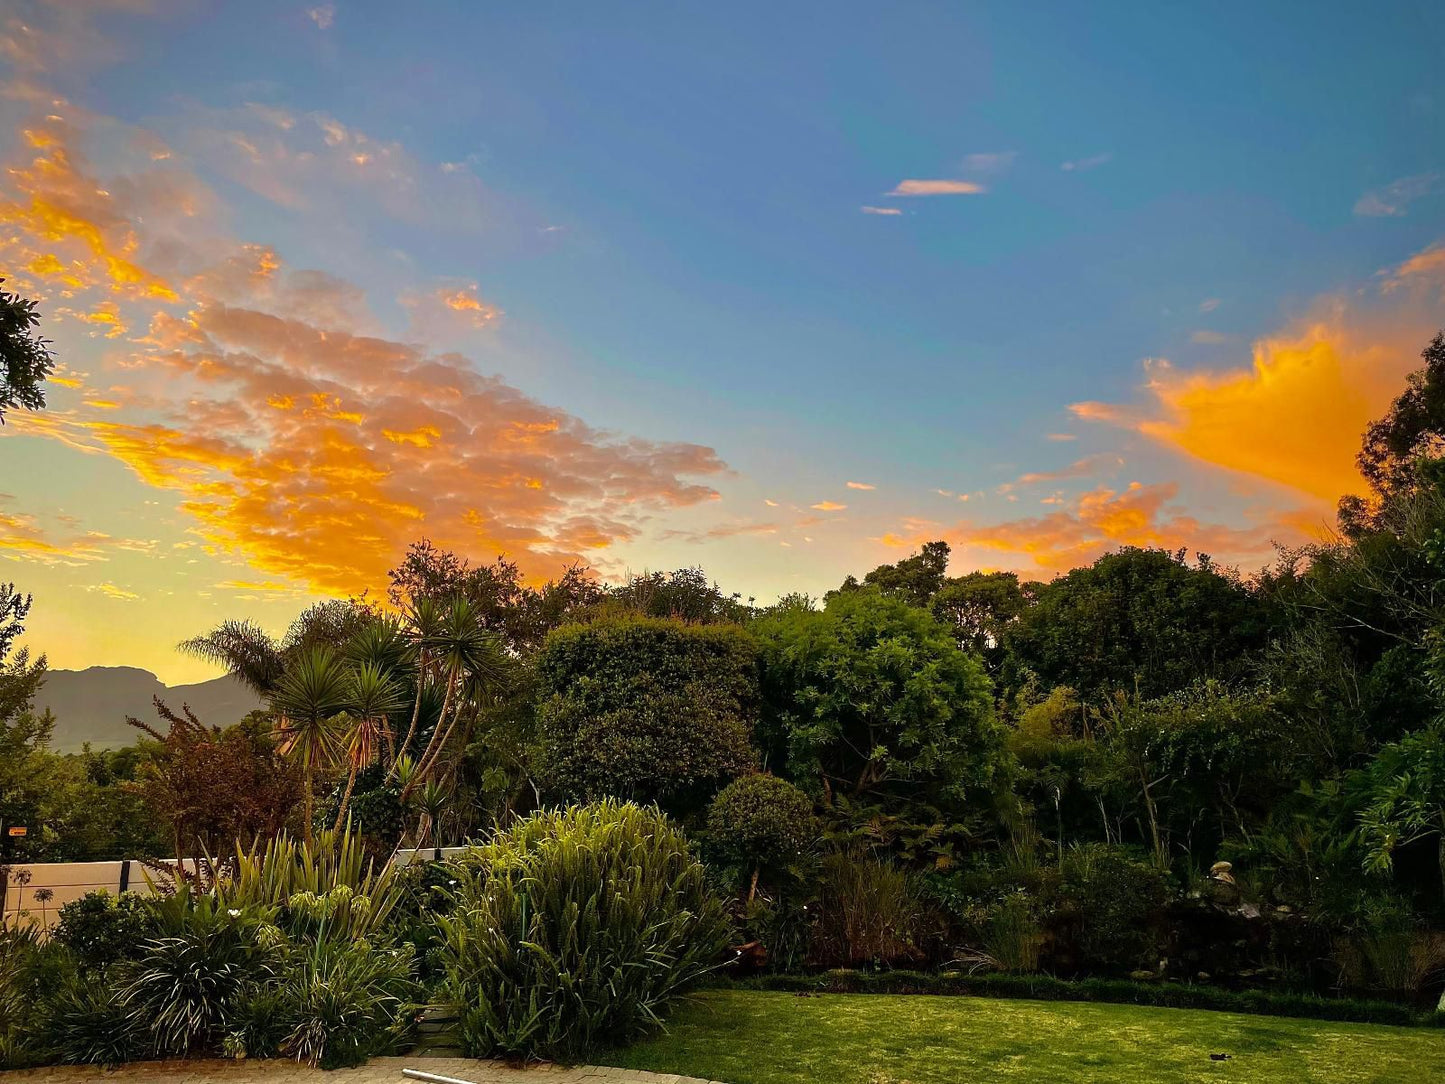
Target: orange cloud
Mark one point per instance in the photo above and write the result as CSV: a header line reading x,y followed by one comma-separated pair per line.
x,y
861,485
1295,415
65,229
937,188
1096,522
466,301
828,506
299,437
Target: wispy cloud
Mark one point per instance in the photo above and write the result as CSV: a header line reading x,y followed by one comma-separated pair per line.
x,y
110,590
323,15
867,210
828,506
1209,304
1210,338
1093,161
989,163
861,485
1062,436
1394,199
937,188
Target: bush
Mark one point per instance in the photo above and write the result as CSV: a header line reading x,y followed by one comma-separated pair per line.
x,y
101,929
872,698
574,928
344,1001
645,710
868,914
760,824
1112,904
334,873
91,1023
187,981
23,978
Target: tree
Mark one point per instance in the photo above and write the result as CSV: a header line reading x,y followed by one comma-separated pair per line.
x,y
213,787
1140,620
245,649
871,697
308,699
472,666
374,698
760,824
1404,790
504,604
981,606
686,594
914,579
1413,428
25,358
645,709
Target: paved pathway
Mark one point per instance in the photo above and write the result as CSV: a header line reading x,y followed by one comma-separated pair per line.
x,y
376,1071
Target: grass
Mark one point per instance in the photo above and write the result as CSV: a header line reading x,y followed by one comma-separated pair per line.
x,y
750,1037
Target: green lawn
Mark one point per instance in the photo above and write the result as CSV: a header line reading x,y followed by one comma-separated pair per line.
x,y
749,1037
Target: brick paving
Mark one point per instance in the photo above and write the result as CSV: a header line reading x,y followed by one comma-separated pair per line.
x,y
376,1071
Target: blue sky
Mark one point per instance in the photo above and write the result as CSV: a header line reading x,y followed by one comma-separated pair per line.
x,y
664,204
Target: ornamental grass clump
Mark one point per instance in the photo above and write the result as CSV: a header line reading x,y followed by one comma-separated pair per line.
x,y
573,929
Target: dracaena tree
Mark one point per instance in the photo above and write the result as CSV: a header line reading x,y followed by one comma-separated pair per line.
x,y
307,701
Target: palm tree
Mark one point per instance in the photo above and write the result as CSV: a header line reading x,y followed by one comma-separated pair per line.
x,y
469,659
375,697
383,645
311,693
244,649
424,623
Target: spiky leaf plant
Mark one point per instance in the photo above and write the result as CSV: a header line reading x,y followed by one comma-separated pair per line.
x,y
574,928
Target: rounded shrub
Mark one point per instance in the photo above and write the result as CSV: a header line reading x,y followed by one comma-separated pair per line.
x,y
760,823
573,928
101,929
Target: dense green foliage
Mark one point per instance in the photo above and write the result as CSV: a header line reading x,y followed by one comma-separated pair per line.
x,y
574,928
871,698
646,709
1140,621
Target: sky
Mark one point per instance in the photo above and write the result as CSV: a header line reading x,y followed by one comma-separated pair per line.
x,y
783,291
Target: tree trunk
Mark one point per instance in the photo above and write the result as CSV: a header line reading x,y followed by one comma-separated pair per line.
x,y
345,799
753,888
415,716
434,747
310,800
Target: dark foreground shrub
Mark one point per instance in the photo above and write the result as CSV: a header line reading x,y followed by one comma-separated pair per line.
x,y
187,981
342,1002
90,1023
23,978
573,929
1111,908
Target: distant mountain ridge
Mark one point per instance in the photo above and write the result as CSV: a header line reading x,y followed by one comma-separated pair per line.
x,y
91,705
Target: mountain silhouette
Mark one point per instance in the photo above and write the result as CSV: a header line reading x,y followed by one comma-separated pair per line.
x,y
91,705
